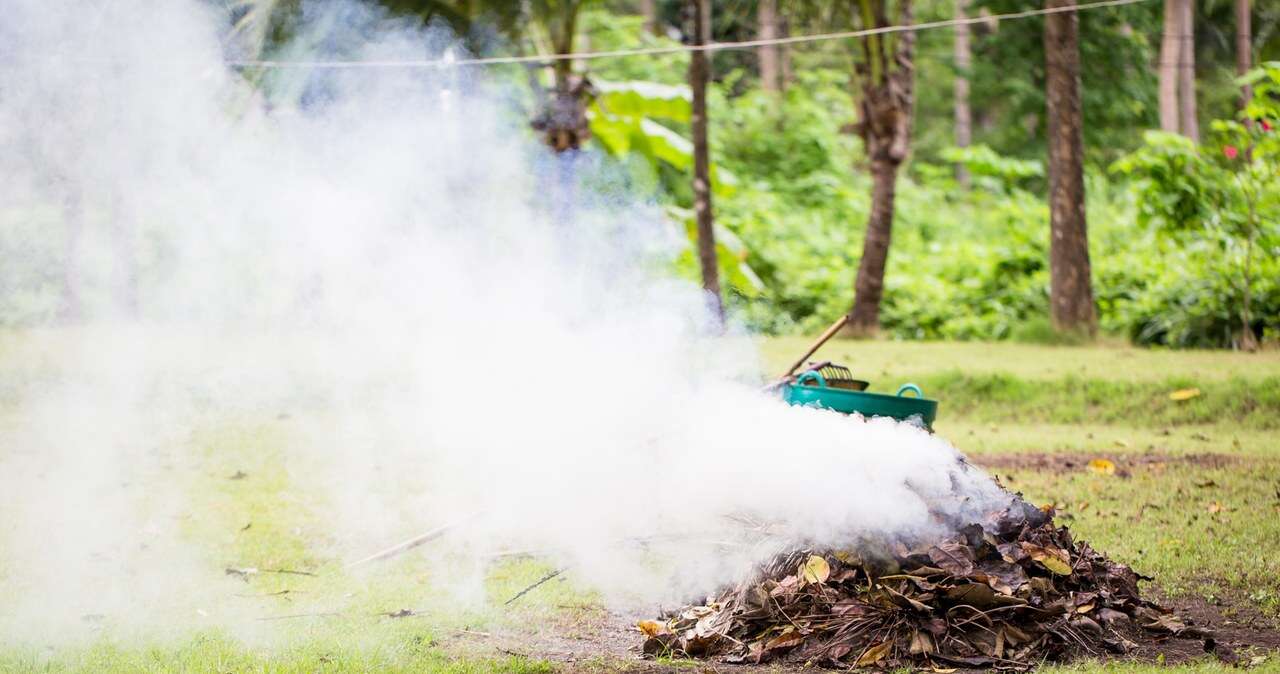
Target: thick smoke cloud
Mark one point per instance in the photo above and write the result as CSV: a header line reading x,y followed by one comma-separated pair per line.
x,y
380,261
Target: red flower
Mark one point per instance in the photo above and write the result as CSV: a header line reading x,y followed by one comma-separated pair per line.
x,y
1266,126
1230,151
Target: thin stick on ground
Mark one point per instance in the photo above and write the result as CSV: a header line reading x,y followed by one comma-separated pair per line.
x,y
531,588
326,614
408,545
291,572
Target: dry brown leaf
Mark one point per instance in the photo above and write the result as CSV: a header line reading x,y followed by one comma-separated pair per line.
x,y
651,628
838,651
816,570
921,642
1102,466
901,598
784,640
955,558
874,654
979,595
1053,559
1014,635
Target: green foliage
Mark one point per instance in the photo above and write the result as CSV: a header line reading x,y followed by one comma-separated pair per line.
x,y
1117,46
643,99
622,120
732,254
1171,226
983,161
1220,202
964,265
1176,191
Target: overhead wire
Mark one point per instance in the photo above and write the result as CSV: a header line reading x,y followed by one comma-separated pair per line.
x,y
449,62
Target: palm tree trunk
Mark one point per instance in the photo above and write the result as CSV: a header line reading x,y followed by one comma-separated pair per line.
x,y
864,319
1168,67
770,67
1070,289
963,113
885,109
699,73
1187,72
784,54
1244,48
649,9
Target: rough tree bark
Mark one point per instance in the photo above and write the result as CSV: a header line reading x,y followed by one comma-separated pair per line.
x,y
1244,48
886,76
1187,71
1168,67
784,53
1070,289
699,73
767,29
963,113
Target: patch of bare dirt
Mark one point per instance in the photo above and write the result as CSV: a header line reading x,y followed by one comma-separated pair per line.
x,y
608,641
1065,462
1238,628
590,639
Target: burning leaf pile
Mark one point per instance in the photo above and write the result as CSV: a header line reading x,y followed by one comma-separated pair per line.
x,y
1006,595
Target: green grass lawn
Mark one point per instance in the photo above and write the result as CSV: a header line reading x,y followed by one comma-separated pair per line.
x,y
1196,504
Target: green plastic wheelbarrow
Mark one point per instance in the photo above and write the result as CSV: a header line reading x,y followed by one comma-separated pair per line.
x,y
810,389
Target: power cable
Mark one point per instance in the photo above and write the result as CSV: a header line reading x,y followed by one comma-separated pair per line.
x,y
449,62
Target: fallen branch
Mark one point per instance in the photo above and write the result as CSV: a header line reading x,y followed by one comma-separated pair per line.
x,y
531,588
246,572
290,572
281,593
409,544
301,615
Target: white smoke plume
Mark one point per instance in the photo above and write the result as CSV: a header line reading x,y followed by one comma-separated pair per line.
x,y
382,271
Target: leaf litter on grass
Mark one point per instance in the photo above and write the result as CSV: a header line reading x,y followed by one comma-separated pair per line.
x,y
1007,594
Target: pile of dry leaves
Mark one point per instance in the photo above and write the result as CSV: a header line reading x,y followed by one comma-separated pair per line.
x,y
1009,594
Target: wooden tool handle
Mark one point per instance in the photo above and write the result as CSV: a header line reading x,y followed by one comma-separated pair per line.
x,y
828,334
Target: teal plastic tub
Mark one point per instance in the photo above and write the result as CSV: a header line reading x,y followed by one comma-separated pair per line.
x,y
810,390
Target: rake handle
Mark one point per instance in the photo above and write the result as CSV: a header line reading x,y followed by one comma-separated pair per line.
x,y
822,339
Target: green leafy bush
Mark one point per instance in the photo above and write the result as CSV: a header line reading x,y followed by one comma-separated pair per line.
x,y
1220,203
